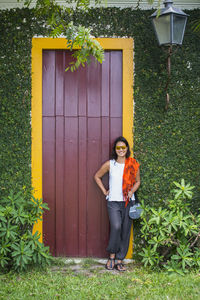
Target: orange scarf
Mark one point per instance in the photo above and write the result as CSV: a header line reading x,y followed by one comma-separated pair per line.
x,y
129,176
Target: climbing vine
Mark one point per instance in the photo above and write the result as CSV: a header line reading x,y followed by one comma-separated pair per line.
x,y
165,143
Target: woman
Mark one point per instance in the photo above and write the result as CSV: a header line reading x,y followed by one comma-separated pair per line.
x,y
124,180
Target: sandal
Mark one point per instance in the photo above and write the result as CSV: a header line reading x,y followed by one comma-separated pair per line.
x,y
110,264
120,267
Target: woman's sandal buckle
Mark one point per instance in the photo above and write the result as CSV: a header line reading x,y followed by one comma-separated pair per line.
x,y
120,267
110,266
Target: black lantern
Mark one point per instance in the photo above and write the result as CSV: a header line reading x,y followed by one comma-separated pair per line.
x,y
169,25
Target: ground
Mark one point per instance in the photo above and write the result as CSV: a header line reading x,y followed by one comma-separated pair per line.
x,y
87,279
88,266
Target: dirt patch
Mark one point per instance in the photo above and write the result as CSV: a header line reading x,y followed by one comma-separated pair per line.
x,y
87,267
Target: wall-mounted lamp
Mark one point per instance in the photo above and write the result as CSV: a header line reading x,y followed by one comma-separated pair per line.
x,y
169,25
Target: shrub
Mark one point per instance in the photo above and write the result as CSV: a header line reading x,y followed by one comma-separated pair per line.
x,y
171,234
19,248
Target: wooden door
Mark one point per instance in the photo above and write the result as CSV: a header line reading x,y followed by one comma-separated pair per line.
x,y
82,115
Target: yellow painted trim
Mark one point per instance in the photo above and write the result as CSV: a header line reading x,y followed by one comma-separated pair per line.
x,y
39,44
127,123
36,116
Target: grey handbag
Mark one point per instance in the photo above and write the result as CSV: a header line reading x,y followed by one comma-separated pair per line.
x,y
135,210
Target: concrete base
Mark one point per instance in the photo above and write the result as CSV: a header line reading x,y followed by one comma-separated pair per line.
x,y
97,260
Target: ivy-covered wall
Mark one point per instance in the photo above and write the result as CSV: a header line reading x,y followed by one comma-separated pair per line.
x,y
165,142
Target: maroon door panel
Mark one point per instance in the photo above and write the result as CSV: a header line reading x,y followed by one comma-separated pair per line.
x,y
59,83
115,84
82,115
82,187
49,187
59,198
71,186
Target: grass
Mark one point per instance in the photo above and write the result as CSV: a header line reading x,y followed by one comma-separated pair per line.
x,y
92,281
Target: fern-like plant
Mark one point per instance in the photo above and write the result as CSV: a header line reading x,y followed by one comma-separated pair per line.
x,y
171,234
19,248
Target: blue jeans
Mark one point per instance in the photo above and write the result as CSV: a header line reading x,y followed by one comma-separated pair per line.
x,y
120,228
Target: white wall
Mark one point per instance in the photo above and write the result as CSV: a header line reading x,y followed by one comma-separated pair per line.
x,y
183,4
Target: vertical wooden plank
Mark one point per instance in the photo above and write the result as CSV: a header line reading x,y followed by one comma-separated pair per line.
x,y
71,88
60,250
71,186
59,66
49,182
59,152
105,138
94,90
94,200
105,155
116,84
82,187
82,91
105,88
48,83
115,128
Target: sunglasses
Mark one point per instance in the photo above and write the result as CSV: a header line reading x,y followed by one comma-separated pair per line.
x,y
120,147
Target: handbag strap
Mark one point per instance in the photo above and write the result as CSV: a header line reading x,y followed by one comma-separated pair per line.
x,y
136,201
136,198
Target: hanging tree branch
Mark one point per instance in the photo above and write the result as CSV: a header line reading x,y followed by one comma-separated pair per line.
x,y
78,37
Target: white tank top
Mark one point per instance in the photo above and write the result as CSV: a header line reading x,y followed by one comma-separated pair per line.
x,y
115,181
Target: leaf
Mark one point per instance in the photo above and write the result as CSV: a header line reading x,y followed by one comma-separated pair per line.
x,y
176,257
178,194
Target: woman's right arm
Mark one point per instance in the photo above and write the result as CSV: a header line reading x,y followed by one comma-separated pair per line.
x,y
99,174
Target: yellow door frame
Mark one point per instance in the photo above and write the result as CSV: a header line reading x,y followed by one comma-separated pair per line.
x,y
38,45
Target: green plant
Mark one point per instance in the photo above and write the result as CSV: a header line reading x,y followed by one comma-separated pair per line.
x,y
19,248
171,234
89,46
77,36
166,144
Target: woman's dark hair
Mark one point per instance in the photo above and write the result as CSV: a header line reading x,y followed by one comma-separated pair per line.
x,y
120,139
